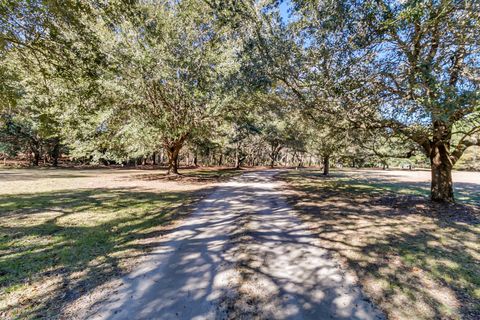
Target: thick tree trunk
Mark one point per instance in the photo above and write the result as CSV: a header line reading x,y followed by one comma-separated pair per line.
x,y
238,161
56,154
441,166
326,165
274,154
173,150
441,162
172,154
36,157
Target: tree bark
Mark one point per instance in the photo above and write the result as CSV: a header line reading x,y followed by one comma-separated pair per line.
x,y
274,154
441,162
237,161
384,165
173,149
36,157
56,153
441,167
220,160
326,165
172,154
237,156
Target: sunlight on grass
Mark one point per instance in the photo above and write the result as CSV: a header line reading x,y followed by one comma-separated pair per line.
x,y
413,262
57,245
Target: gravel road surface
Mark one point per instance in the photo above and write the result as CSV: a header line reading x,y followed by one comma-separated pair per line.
x,y
242,254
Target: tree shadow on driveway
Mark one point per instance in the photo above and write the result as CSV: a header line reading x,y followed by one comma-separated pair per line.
x,y
240,255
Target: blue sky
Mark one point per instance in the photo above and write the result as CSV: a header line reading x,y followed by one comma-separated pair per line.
x,y
284,6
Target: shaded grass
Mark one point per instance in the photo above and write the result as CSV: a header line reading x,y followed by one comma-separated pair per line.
x,y
54,246
342,181
415,259
212,174
197,175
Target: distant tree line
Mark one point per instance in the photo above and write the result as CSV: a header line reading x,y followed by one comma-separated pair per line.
x,y
202,82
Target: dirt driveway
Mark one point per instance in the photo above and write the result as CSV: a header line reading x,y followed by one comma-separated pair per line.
x,y
242,254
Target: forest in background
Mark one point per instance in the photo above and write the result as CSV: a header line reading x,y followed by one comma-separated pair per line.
x,y
205,82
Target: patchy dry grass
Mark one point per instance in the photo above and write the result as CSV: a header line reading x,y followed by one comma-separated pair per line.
x,y
198,175
415,259
65,232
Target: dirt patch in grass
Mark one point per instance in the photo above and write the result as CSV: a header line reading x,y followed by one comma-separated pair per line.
x,y
414,258
72,231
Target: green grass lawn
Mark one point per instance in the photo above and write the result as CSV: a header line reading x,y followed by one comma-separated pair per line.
x,y
57,245
415,259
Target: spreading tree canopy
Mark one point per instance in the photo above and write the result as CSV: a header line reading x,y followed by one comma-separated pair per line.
x,y
114,80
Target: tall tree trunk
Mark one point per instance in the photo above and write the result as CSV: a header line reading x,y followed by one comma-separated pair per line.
x,y
35,149
441,166
273,155
56,153
36,158
326,165
237,156
161,159
173,150
172,154
220,159
237,161
441,162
